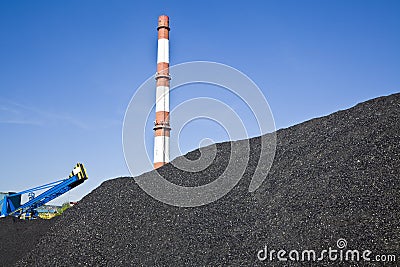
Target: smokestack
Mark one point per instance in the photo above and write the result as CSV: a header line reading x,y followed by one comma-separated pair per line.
x,y
161,124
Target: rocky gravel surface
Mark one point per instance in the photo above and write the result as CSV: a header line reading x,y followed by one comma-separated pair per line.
x,y
335,177
17,237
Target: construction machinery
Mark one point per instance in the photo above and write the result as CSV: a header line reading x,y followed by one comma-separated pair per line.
x,y
10,206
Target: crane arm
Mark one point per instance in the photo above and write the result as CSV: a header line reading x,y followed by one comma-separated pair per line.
x,y
56,189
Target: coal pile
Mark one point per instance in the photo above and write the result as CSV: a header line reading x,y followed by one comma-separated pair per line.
x,y
333,177
17,237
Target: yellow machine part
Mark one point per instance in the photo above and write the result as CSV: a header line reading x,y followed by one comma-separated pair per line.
x,y
47,215
80,171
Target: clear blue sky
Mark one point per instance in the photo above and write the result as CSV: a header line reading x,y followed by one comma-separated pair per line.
x,y
68,69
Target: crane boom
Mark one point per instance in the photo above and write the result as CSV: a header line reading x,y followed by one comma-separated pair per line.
x,y
56,189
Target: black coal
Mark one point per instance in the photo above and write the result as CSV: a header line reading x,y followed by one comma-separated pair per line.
x,y
17,237
332,177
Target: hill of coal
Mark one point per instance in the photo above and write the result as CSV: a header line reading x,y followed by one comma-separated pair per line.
x,y
17,237
335,177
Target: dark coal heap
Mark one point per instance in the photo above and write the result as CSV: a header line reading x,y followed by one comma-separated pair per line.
x,y
332,177
17,237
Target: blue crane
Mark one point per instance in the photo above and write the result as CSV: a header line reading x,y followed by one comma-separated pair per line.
x,y
54,190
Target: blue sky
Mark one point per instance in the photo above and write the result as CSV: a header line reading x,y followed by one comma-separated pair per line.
x,y
68,70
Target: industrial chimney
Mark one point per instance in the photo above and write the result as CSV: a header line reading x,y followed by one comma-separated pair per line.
x,y
161,124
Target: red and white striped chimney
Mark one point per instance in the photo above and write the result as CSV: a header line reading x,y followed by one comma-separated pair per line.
x,y
161,124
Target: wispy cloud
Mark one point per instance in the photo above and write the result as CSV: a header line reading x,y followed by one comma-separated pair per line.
x,y
24,122
16,113
4,108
